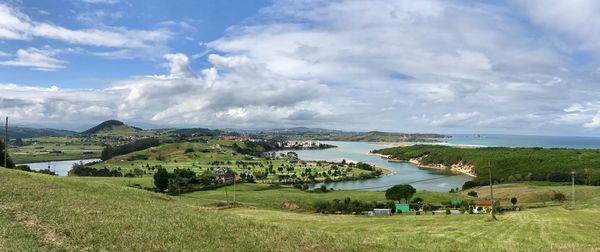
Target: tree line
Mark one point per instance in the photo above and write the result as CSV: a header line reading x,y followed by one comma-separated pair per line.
x,y
111,151
510,164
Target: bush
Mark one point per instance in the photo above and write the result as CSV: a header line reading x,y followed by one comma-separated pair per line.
x,y
473,194
23,168
448,211
46,171
559,197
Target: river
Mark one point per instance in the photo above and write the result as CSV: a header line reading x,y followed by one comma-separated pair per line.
x,y
59,167
402,173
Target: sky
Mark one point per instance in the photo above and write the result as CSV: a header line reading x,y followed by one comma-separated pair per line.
x,y
507,67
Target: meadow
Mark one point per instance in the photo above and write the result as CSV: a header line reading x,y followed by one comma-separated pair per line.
x,y
41,213
43,149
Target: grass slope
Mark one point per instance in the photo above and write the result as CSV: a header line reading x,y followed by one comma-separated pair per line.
x,y
40,213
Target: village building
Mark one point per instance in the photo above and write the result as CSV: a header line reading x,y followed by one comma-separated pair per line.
x,y
224,175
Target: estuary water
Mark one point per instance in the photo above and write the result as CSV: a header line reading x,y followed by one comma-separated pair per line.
x,y
402,173
577,142
61,168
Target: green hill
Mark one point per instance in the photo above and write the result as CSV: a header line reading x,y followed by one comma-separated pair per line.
x,y
46,213
113,128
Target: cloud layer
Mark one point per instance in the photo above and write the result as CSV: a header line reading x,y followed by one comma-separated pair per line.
x,y
445,66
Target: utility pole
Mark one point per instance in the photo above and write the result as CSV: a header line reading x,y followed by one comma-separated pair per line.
x,y
491,188
233,188
573,189
492,191
6,144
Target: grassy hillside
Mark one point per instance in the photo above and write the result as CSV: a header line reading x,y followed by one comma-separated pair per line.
x,y
114,128
47,213
40,213
510,164
23,132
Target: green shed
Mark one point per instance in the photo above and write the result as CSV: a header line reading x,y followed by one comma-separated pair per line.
x,y
402,208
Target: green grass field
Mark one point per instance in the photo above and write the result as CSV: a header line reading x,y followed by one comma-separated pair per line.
x,y
38,149
41,213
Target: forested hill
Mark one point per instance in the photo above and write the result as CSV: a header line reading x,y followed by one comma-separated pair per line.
x,y
24,132
111,127
509,164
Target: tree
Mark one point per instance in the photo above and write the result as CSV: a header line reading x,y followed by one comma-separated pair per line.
x,y
513,200
161,179
399,192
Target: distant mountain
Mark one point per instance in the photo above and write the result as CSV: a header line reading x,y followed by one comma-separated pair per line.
x,y
25,132
378,136
112,128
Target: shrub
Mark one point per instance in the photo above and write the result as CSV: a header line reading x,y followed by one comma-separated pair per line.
x,y
473,194
448,211
559,197
23,168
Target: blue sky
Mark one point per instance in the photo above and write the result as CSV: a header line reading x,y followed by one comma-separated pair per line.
x,y
517,67
207,21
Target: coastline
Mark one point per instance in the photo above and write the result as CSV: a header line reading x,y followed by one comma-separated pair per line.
x,y
461,168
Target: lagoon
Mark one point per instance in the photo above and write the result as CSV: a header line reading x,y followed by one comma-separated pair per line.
x,y
61,168
402,173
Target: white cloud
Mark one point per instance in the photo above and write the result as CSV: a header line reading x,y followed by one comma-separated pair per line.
x,y
364,65
15,25
36,59
572,18
595,123
232,98
179,64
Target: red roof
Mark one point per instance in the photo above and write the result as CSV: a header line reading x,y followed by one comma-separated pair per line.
x,y
484,202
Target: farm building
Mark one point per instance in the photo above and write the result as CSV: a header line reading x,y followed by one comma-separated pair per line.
x,y
382,212
224,175
402,208
483,205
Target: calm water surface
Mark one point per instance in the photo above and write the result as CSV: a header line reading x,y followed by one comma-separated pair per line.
x,y
402,173
526,141
59,167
